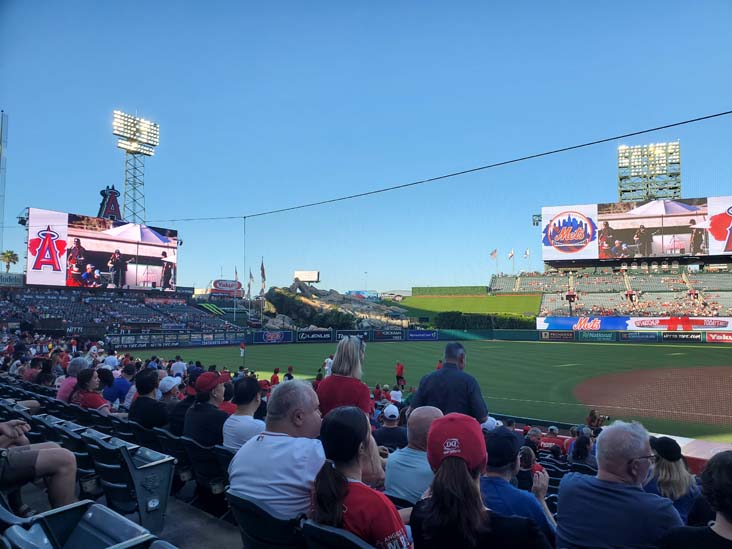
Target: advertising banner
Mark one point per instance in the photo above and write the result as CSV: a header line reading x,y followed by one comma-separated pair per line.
x,y
597,336
73,250
11,279
273,336
662,228
315,336
388,335
422,335
638,337
683,337
363,334
623,323
719,337
556,336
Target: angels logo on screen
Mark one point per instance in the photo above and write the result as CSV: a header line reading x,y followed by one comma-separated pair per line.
x,y
46,249
720,227
569,232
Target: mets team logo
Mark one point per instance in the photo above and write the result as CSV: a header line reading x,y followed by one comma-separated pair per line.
x,y
720,227
46,249
569,232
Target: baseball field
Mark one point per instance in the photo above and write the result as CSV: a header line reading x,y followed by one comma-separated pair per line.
x,y
675,389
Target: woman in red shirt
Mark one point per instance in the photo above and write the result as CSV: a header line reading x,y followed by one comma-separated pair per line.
x,y
275,379
344,386
85,392
340,498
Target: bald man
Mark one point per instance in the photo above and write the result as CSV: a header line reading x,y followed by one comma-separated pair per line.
x,y
408,474
611,509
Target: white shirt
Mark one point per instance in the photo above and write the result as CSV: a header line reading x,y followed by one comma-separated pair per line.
x,y
112,361
328,366
178,368
396,396
279,470
239,429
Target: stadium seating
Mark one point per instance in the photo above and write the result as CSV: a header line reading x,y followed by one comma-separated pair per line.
x,y
318,536
260,529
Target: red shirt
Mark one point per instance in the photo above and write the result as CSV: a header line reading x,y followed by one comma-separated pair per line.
x,y
547,442
400,369
536,468
387,395
89,399
372,517
242,346
335,391
378,394
228,407
30,374
274,380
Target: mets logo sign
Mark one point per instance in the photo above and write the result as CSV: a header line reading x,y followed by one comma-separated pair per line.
x,y
720,227
46,249
569,232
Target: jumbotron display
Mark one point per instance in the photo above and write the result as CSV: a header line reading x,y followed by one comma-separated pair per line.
x,y
620,231
80,251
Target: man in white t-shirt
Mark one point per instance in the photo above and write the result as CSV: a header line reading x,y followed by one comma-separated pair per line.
x,y
396,395
241,426
278,466
328,365
178,368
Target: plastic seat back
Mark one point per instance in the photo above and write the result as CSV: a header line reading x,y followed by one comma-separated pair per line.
x,y
173,446
224,455
206,468
260,529
145,437
318,536
102,527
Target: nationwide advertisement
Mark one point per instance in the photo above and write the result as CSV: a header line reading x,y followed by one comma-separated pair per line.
x,y
662,228
719,337
315,336
388,335
273,336
597,336
626,323
80,251
422,335
363,334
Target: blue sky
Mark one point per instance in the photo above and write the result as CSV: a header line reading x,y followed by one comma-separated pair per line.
x,y
271,104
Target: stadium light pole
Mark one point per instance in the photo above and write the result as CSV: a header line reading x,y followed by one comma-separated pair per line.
x,y
138,138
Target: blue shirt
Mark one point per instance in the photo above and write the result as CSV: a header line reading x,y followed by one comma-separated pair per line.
x,y
683,504
598,513
118,390
505,499
451,390
408,474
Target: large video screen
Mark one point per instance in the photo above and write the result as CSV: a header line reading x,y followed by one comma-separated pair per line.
x,y
664,228
80,251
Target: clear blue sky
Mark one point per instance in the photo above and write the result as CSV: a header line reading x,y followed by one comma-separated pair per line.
x,y
271,104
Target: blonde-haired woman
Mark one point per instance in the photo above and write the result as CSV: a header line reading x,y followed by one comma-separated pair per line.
x,y
671,479
344,386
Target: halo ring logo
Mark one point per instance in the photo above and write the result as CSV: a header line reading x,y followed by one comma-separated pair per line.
x,y
569,232
273,337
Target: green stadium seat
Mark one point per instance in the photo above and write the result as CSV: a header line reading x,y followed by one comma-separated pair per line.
x,y
319,536
260,529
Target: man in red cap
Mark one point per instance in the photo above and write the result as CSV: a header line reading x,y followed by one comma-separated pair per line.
x,y
204,421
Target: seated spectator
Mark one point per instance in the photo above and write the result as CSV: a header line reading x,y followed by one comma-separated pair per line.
x,y
146,409
340,497
408,473
611,509
118,391
178,368
75,366
533,439
289,375
21,462
501,496
717,489
29,374
106,379
595,421
204,422
582,452
671,479
178,415
344,386
228,406
377,393
169,388
455,515
46,376
390,434
85,393
241,425
278,466
528,466
551,439
557,455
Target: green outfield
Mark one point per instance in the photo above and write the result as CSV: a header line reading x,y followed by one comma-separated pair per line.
x,y
528,379
429,306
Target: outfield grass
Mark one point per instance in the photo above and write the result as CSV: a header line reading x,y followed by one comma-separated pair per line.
x,y
429,306
528,379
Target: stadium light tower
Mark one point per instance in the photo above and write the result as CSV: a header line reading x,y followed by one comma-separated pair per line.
x,y
138,138
648,172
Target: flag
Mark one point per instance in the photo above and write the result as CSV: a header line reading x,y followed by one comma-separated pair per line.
x,y
264,277
527,253
249,285
494,253
236,274
510,254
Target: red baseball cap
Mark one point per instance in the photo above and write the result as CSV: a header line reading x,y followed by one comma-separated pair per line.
x,y
456,435
207,381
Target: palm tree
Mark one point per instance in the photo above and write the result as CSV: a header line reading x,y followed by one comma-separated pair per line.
x,y
8,257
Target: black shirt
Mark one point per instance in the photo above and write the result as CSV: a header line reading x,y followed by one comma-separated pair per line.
x,y
204,423
696,538
504,532
451,390
393,438
148,412
178,415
